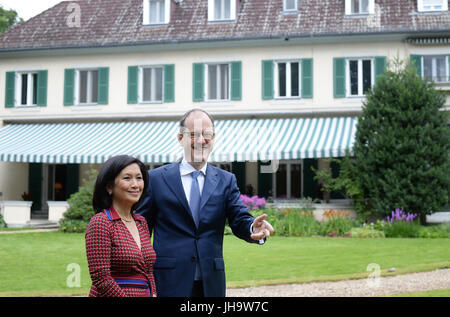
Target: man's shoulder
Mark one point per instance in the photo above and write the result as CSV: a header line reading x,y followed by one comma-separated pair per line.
x,y
220,172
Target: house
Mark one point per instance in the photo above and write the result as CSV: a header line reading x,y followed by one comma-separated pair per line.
x,y
284,79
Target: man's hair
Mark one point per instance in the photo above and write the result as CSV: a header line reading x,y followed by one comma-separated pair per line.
x,y
187,114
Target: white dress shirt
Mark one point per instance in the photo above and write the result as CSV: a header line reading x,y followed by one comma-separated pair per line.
x,y
186,170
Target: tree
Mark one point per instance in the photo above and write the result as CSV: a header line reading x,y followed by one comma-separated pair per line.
x,y
80,212
8,18
346,183
402,145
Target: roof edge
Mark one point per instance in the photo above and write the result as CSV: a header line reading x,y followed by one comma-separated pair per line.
x,y
224,42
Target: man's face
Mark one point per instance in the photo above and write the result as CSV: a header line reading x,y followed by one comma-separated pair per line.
x,y
197,138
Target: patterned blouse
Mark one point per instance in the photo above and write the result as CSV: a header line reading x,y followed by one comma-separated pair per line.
x,y
116,264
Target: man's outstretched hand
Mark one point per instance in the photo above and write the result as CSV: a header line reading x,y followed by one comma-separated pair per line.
x,y
261,228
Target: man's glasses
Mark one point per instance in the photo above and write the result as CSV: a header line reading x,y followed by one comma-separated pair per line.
x,y
207,135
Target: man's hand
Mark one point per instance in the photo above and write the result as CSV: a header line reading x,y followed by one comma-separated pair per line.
x,y
261,228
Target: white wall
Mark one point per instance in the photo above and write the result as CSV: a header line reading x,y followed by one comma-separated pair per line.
x,y
251,58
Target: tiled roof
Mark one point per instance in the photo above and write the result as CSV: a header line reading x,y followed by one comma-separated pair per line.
x,y
119,22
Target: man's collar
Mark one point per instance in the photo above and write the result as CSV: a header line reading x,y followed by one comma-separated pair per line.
x,y
186,168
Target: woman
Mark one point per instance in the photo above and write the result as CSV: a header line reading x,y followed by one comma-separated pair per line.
x,y
118,246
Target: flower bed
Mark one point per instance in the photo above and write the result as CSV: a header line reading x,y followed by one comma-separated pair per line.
x,y
301,222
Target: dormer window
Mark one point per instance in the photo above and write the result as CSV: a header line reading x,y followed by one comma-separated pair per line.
x,y
359,7
221,10
289,5
432,5
156,11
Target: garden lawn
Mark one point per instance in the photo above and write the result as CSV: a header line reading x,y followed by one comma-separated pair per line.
x,y
35,264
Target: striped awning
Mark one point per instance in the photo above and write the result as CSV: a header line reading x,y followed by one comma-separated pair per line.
x,y
429,40
156,142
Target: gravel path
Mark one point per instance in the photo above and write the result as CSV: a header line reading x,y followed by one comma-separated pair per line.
x,y
416,282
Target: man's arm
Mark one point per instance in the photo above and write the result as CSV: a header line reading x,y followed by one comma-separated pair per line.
x,y
241,222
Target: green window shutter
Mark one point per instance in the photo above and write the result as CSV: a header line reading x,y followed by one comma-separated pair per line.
x,y
72,179
198,82
69,87
103,85
35,174
307,78
416,61
380,66
236,80
339,77
10,89
132,84
169,83
267,79
238,169
264,181
42,78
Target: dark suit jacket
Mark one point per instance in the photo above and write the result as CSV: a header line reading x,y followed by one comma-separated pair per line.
x,y
178,243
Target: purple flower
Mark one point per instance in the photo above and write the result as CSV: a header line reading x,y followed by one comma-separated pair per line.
x,y
399,215
253,202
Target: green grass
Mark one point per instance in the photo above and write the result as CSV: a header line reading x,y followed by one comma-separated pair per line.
x,y
298,260
35,264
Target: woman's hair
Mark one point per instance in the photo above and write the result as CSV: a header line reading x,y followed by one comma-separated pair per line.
x,y
108,172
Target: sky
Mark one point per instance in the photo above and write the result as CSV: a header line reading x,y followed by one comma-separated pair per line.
x,y
27,9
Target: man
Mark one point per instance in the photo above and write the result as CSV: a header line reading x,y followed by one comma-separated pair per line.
x,y
187,205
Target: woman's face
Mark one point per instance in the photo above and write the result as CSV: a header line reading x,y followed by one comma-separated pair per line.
x,y
128,185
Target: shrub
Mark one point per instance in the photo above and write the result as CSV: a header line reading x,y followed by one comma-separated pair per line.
x,y
402,144
399,225
335,227
298,223
78,215
432,232
366,232
2,222
445,227
402,230
290,221
336,223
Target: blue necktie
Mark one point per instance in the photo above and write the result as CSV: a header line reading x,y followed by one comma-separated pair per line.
x,y
195,198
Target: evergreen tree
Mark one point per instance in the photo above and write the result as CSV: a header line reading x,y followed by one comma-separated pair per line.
x,y
402,145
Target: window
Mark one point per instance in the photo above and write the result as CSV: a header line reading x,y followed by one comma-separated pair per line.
x,y
435,68
287,181
218,81
360,76
432,5
26,84
156,11
359,7
87,87
221,10
289,5
26,89
288,79
152,83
